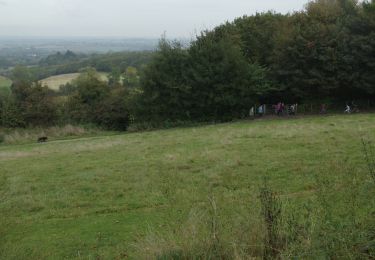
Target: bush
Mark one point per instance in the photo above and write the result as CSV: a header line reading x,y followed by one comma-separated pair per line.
x,y
10,113
94,102
112,113
38,108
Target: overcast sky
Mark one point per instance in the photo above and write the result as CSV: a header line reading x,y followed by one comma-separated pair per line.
x,y
127,18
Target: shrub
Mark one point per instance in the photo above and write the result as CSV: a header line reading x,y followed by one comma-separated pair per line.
x,y
10,113
38,108
112,113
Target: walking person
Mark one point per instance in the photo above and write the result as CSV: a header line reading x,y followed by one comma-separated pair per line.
x,y
292,110
278,109
282,108
251,112
347,109
260,110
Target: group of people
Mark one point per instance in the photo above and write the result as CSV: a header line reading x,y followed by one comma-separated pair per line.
x,y
260,111
282,109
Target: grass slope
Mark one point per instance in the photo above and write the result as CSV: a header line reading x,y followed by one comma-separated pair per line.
x,y
101,197
54,82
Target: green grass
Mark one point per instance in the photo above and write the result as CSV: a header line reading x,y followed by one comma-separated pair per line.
x,y
54,82
27,135
108,197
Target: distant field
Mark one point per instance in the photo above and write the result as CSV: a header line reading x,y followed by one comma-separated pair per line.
x,y
132,196
55,82
5,84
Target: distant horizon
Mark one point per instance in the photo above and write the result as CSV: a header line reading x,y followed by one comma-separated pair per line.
x,y
48,44
122,19
53,37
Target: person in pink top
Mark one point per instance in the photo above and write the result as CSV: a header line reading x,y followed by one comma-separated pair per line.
x,y
279,108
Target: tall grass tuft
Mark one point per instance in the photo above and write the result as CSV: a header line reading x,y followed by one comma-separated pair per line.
x,y
336,220
271,213
197,238
369,157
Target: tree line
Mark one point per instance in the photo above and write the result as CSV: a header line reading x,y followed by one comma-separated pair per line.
x,y
86,100
324,53
70,62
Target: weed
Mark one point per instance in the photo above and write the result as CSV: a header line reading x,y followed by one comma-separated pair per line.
x,y
369,157
271,211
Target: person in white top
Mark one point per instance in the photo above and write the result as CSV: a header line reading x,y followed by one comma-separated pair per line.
x,y
347,110
251,112
260,110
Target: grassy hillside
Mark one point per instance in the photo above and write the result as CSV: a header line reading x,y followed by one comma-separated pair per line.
x,y
142,194
55,82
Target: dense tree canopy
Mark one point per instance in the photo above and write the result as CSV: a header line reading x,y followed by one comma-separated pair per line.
x,y
94,101
30,102
326,52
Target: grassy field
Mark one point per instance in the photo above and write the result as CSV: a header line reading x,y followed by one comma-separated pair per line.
x,y
54,82
141,195
4,84
26,135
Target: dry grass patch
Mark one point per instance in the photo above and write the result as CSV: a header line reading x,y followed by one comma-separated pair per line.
x,y
54,82
20,136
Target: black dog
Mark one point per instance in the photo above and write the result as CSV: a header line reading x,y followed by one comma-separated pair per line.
x,y
42,139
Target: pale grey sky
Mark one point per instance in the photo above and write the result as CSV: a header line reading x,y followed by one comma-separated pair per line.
x,y
127,18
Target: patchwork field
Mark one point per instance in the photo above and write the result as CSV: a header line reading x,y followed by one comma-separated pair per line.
x,y
140,195
54,82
